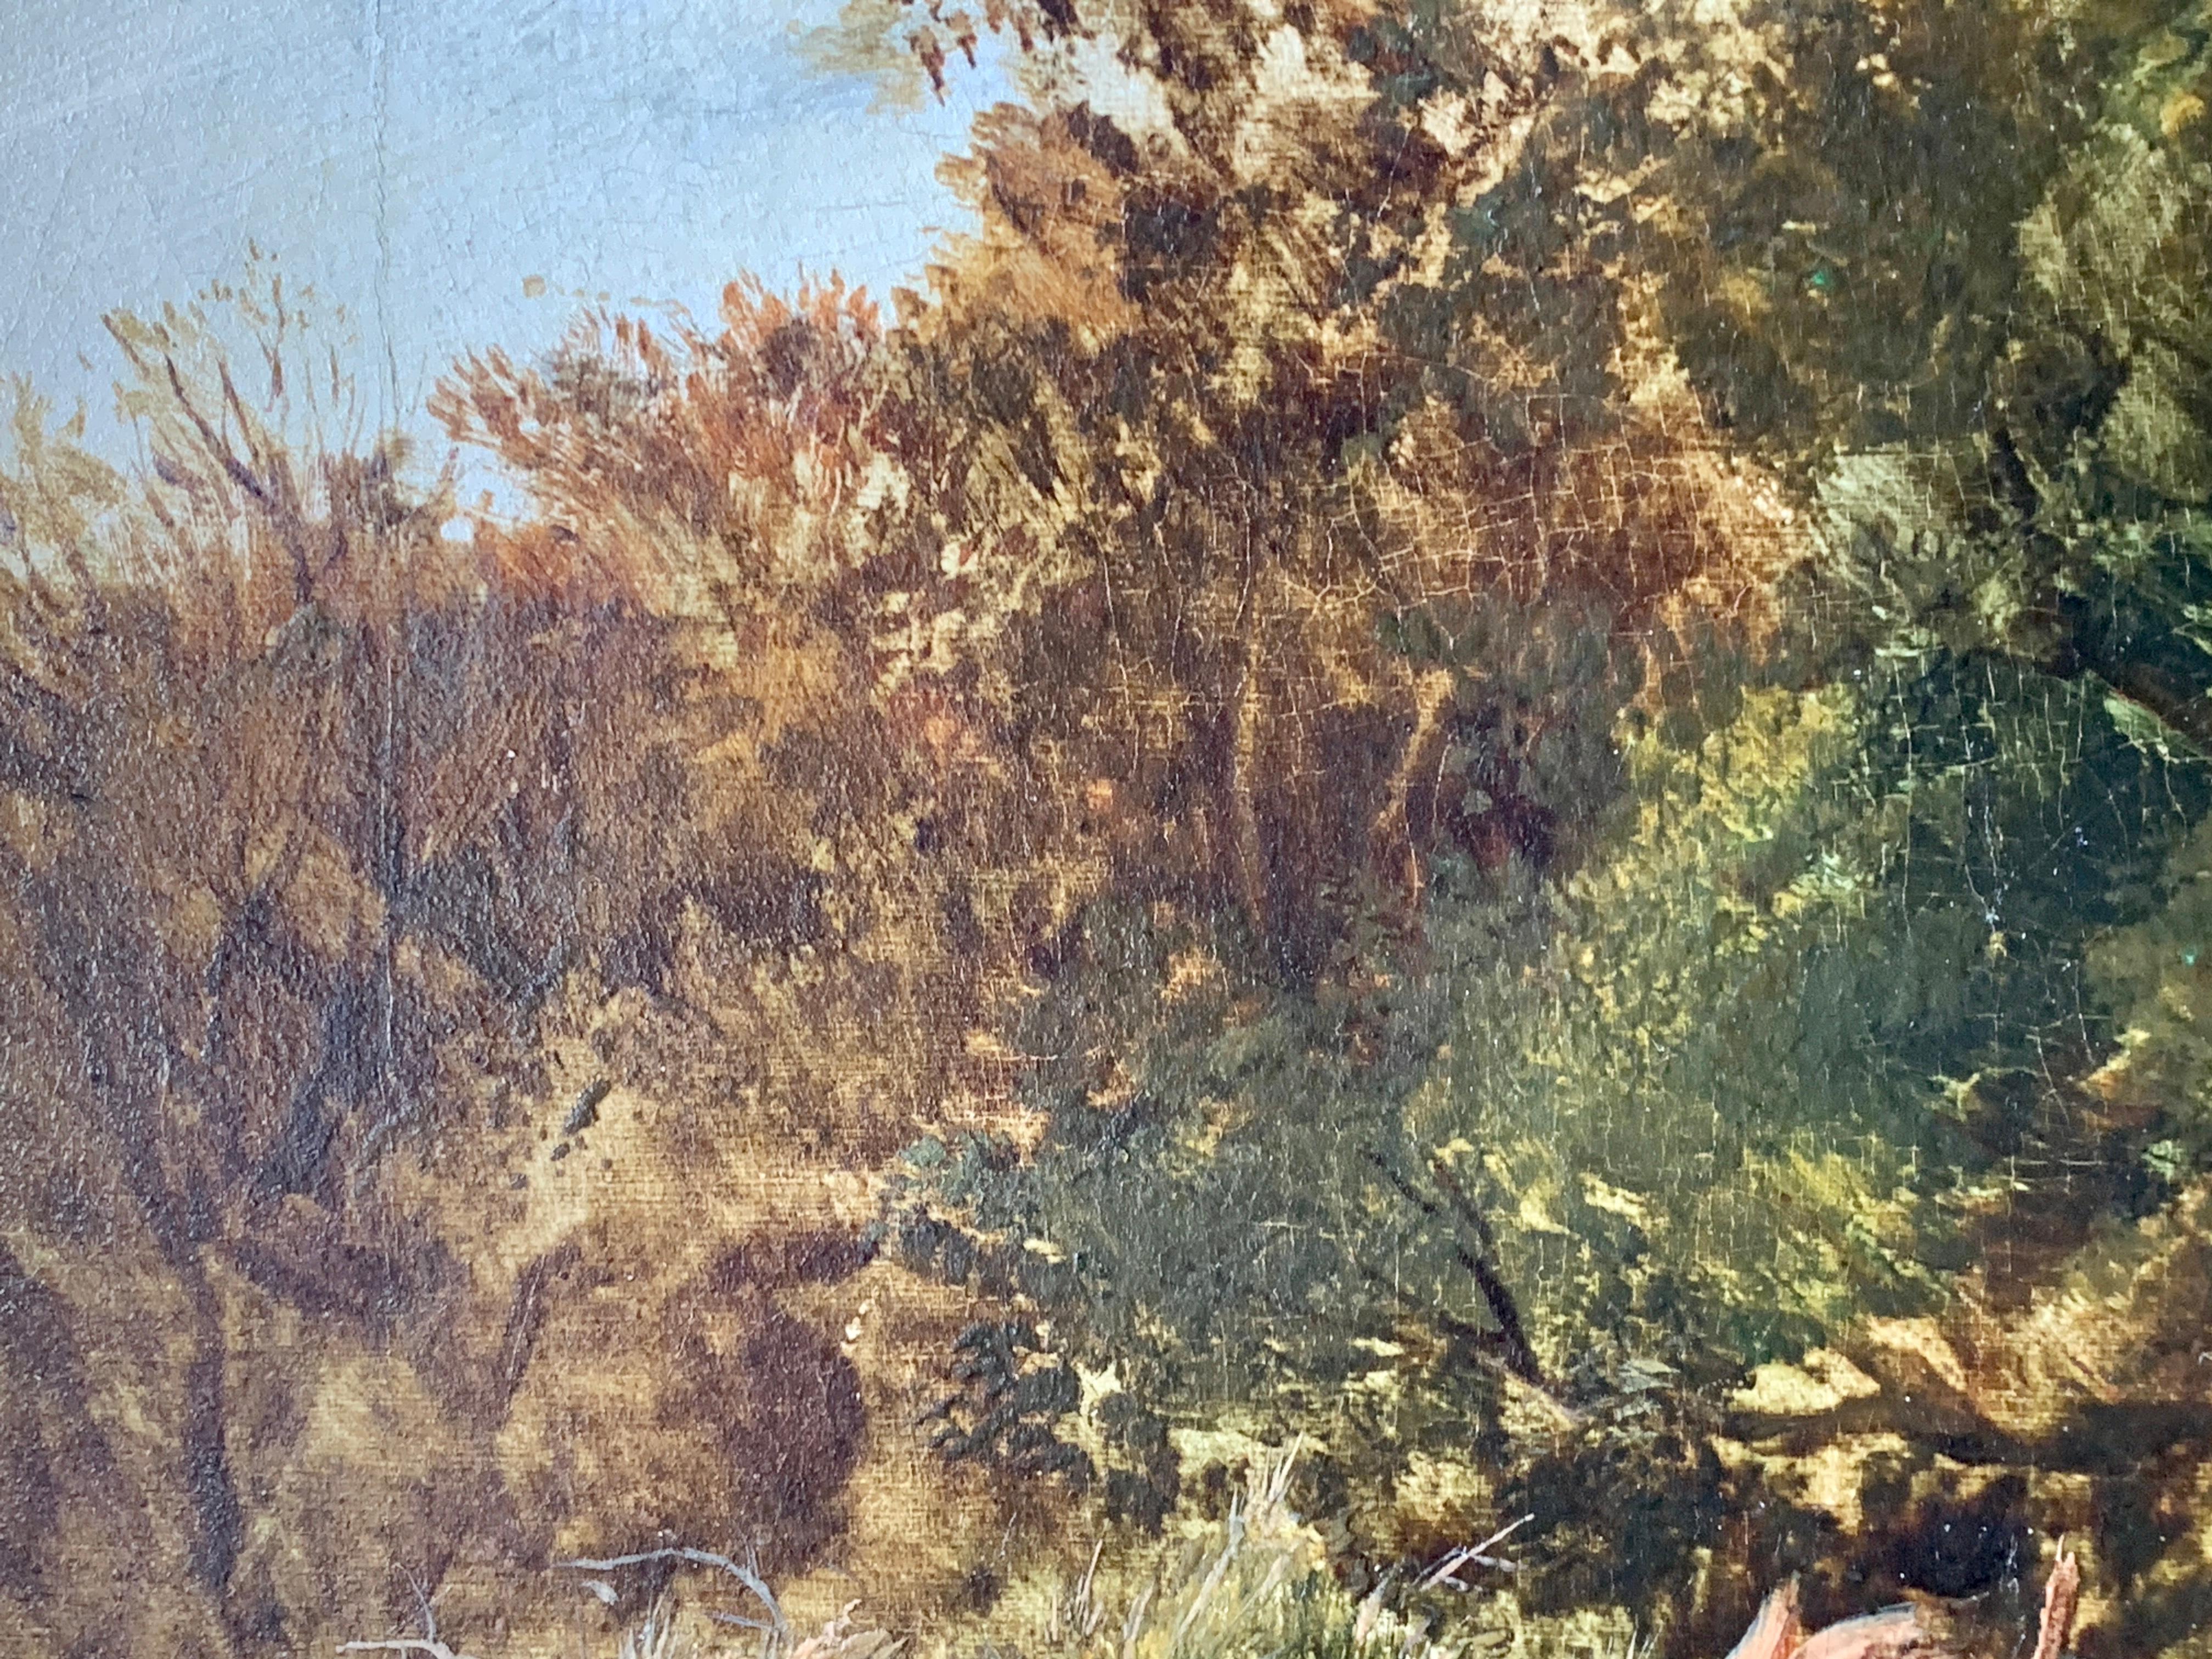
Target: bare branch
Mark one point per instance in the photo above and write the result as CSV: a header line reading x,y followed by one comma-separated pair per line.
x,y
1515,1352
1442,1571
428,1642
748,1575
240,474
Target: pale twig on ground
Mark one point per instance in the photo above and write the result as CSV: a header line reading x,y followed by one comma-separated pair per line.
x,y
1442,1571
1080,1608
427,1643
748,1574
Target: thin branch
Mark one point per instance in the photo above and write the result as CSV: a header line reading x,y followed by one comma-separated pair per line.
x,y
1442,1571
1484,1344
747,1576
429,1614
240,474
427,1643
1468,1210
1519,1357
1503,1308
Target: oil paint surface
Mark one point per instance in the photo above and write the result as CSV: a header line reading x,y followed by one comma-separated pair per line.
x,y
1188,828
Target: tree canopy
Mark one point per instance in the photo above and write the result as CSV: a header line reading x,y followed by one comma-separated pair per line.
x,y
1483,743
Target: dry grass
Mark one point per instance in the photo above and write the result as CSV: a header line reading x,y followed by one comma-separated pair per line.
x,y
1254,1586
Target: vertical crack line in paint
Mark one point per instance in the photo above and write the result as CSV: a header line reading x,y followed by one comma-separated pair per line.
x,y
380,66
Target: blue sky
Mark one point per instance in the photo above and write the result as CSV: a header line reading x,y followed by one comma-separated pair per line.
x,y
416,161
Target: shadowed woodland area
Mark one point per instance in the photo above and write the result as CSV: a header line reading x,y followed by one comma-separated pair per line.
x,y
1467,795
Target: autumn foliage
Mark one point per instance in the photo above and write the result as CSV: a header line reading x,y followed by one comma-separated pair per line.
x,y
467,980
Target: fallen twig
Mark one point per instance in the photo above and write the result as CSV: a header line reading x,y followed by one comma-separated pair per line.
x,y
1442,1571
428,1642
746,1575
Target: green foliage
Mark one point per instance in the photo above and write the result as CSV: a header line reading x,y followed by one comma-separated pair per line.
x,y
1765,1063
1754,1084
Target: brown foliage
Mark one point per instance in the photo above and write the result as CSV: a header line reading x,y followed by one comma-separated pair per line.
x,y
429,964
334,845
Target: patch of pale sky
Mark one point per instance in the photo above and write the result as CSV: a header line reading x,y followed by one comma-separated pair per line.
x,y
416,161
